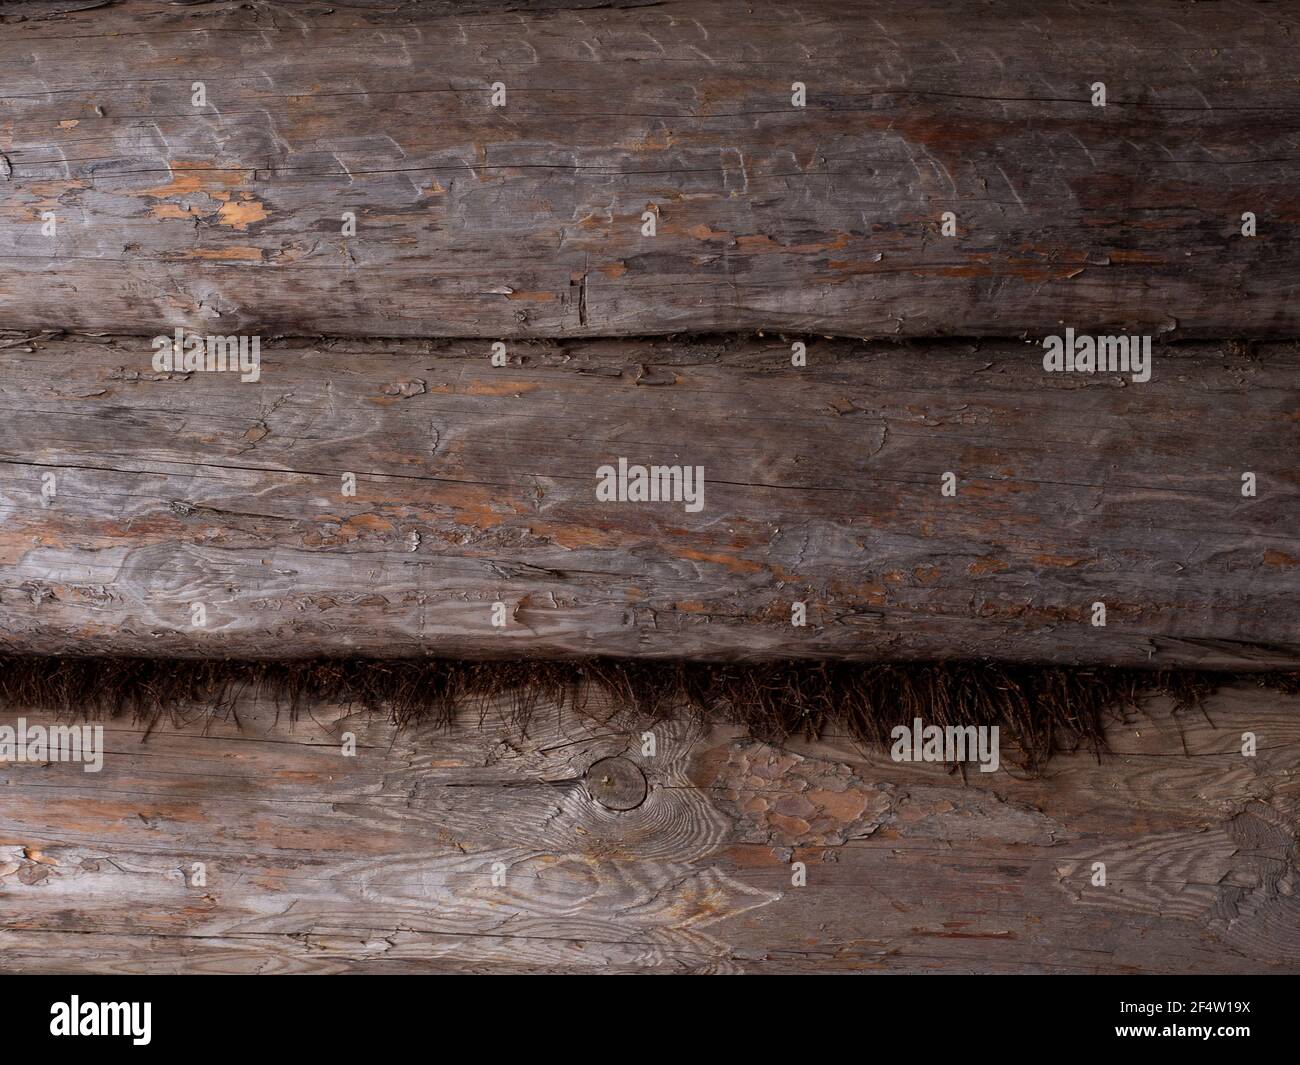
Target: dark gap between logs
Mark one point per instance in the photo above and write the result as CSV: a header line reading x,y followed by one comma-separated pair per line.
x,y
1041,710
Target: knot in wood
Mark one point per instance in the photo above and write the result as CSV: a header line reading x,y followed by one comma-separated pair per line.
x,y
617,784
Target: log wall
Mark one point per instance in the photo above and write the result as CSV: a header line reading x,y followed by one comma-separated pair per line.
x,y
647,224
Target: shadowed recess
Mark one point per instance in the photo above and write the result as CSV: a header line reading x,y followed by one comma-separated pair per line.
x,y
1040,709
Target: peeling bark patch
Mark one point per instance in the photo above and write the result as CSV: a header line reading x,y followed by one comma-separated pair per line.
x,y
782,799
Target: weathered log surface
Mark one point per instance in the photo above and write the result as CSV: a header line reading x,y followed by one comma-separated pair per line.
x,y
383,862
476,484
525,220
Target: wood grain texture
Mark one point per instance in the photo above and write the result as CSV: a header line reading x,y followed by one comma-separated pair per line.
x,y
383,862
476,484
526,220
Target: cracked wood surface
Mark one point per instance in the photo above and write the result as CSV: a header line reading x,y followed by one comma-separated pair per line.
x,y
383,862
526,220
476,484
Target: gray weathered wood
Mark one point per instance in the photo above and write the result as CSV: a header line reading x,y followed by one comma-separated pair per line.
x,y
476,484
383,862
526,220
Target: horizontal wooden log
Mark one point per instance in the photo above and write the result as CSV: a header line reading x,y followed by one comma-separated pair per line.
x,y
127,496
527,219
383,862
